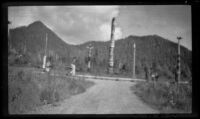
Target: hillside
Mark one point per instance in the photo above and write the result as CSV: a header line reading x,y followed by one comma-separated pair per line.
x,y
151,51
32,38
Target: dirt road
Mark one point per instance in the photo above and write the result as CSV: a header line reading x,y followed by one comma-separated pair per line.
x,y
105,97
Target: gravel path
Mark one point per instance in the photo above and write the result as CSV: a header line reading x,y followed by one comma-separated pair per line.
x,y
105,97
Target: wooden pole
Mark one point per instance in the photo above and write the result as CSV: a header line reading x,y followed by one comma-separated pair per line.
x,y
46,45
44,58
25,46
9,39
134,51
179,61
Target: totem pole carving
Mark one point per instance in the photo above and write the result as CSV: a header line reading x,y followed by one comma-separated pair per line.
x,y
112,45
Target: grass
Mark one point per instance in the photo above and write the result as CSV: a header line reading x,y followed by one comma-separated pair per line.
x,y
106,74
28,90
166,97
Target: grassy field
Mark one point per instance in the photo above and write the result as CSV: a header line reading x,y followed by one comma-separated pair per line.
x,y
28,90
166,97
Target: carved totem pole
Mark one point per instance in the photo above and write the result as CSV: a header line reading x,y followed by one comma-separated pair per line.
x,y
112,45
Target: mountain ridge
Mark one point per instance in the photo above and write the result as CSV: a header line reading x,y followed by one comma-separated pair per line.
x,y
150,49
40,23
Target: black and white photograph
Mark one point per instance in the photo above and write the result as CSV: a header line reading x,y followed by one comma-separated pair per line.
x,y
99,59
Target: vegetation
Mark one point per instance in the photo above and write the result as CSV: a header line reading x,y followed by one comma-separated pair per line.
x,y
153,54
166,97
28,90
152,51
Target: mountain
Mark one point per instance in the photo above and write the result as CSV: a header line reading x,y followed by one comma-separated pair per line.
x,y
32,39
151,51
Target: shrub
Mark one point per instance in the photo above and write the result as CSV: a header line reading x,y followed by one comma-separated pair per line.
x,y
25,94
163,95
11,59
47,95
24,59
20,75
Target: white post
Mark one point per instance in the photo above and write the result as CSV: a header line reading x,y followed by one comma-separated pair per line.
x,y
73,66
73,72
44,62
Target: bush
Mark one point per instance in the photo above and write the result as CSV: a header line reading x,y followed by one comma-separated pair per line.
x,y
163,95
20,75
22,92
11,59
26,94
23,60
47,96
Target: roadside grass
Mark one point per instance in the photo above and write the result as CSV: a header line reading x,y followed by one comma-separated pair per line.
x,y
28,90
166,97
104,74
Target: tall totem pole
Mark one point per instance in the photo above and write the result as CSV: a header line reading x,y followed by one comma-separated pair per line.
x,y
112,45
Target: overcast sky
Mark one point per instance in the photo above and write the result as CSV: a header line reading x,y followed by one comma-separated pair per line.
x,y
79,24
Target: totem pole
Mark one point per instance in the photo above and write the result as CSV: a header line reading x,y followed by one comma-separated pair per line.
x,y
112,45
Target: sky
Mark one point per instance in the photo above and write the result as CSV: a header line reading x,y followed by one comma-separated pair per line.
x,y
79,24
